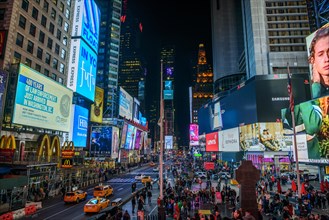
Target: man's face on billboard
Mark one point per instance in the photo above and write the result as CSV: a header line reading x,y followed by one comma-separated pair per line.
x,y
321,56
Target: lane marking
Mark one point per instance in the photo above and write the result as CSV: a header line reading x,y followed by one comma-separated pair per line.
x,y
120,189
60,212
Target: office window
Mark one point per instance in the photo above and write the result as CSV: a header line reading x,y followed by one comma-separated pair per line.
x,y
19,40
41,37
2,13
53,13
17,57
60,20
66,27
35,13
67,14
60,80
33,29
28,62
63,54
45,6
39,53
55,63
54,1
57,49
30,46
37,1
50,43
38,67
46,72
61,68
25,5
61,7
59,34
44,21
51,28
68,2
64,40
48,57
22,21
53,76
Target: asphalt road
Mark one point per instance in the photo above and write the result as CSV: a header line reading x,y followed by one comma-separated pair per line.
x,y
56,209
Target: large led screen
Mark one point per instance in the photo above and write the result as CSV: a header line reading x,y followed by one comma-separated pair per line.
x,y
312,120
82,69
101,139
41,102
115,142
168,142
138,139
79,126
123,135
317,48
125,104
96,110
86,21
130,137
194,135
229,140
136,110
3,88
212,142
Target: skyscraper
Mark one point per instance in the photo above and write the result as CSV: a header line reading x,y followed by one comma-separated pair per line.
x,y
108,54
202,90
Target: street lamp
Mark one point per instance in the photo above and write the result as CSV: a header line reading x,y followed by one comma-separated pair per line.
x,y
161,210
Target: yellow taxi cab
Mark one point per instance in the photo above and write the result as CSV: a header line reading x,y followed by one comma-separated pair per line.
x,y
103,191
146,179
96,205
75,196
152,164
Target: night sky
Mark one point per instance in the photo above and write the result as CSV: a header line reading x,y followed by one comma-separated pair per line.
x,y
184,24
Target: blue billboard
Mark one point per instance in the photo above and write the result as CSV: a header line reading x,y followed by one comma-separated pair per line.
x,y
86,22
82,69
80,126
130,137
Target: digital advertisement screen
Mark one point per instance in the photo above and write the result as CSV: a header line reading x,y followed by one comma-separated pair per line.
x,y
229,140
168,94
123,135
168,142
86,21
3,88
136,110
101,139
130,137
82,69
212,142
138,139
41,102
125,104
79,125
194,134
115,142
311,128
96,111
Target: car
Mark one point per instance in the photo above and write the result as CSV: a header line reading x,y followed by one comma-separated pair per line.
x,y
152,164
139,176
103,191
224,175
75,196
156,169
146,179
201,175
95,205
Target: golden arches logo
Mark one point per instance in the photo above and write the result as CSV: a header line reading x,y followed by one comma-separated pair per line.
x,y
68,149
46,149
67,163
8,142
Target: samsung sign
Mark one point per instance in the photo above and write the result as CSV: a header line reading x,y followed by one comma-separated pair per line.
x,y
86,22
41,102
78,133
82,69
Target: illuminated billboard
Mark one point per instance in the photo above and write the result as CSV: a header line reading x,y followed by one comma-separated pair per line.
x,y
194,134
263,137
168,94
229,140
82,69
115,143
311,126
212,142
86,22
41,102
101,139
96,110
79,126
317,51
3,89
123,135
130,137
138,139
169,142
136,110
125,104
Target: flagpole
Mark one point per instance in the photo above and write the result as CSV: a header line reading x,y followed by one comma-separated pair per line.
x,y
292,110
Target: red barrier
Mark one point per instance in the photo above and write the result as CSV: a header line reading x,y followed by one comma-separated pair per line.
x,y
7,216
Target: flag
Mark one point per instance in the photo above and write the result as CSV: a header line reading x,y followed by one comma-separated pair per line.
x,y
291,97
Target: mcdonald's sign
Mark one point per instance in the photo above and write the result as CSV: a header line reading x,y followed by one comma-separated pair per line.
x,y
47,150
7,148
67,163
68,149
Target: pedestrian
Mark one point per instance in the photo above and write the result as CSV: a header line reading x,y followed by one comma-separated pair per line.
x,y
149,196
126,216
133,203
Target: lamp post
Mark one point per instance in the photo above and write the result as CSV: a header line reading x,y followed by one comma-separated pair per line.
x,y
161,210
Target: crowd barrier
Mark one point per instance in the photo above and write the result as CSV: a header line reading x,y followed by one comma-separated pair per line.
x,y
29,210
